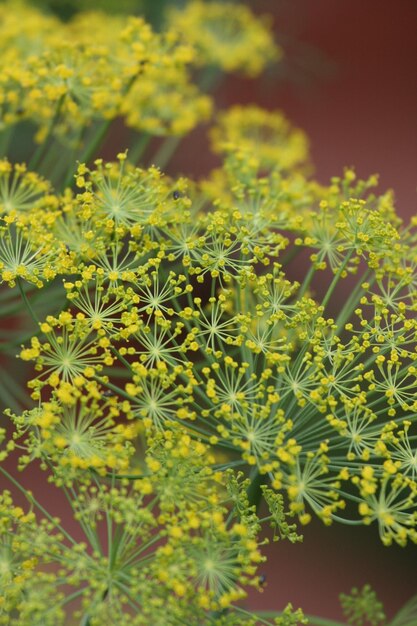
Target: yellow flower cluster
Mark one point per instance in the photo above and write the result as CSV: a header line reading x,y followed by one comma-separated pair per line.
x,y
26,551
54,74
179,537
226,35
266,135
258,367
75,432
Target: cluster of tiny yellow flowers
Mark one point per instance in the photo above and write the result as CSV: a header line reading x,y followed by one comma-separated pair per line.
x,y
180,536
178,369
188,298
226,35
55,74
27,548
267,134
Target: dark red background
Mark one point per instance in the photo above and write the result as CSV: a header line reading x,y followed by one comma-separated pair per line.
x,y
349,80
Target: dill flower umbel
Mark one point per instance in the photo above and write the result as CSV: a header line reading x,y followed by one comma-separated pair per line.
x,y
268,135
63,82
257,367
75,431
226,35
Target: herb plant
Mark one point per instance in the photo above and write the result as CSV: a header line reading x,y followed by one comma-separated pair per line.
x,y
176,381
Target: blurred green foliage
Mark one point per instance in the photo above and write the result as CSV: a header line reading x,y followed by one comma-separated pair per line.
x,y
153,10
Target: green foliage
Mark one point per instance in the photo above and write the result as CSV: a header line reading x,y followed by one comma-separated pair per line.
x,y
278,517
290,617
362,607
407,615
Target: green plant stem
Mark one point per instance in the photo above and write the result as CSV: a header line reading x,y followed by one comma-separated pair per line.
x,y
351,302
114,388
89,536
290,255
98,138
336,279
55,156
26,301
347,522
91,149
5,140
69,598
254,490
322,621
139,147
41,149
122,359
111,546
29,496
307,281
127,476
61,162
209,80
407,615
166,151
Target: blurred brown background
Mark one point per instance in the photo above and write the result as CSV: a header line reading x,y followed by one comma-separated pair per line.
x,y
348,79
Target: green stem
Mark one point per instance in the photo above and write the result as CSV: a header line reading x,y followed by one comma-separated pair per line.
x,y
29,496
166,151
254,490
26,301
335,280
307,281
91,149
90,536
68,599
111,546
290,255
139,147
347,522
322,621
41,149
99,137
130,560
60,168
351,302
407,615
121,358
114,388
85,620
5,139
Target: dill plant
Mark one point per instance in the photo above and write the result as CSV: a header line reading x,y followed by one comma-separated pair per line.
x,y
178,375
